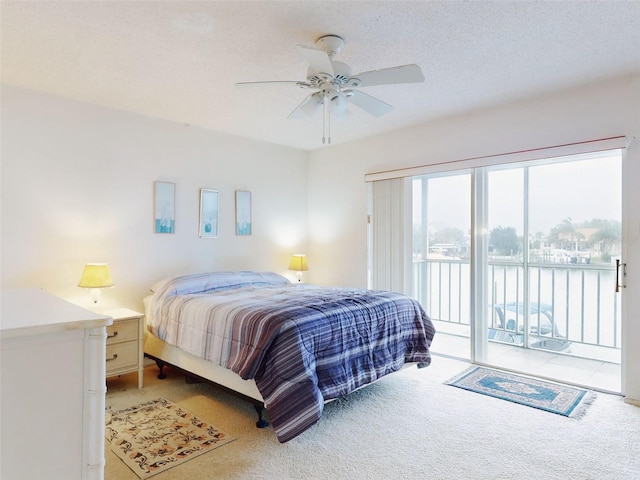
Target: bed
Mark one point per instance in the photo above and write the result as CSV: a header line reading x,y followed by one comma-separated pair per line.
x,y
289,347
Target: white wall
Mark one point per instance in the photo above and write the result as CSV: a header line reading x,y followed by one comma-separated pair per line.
x,y
337,192
77,186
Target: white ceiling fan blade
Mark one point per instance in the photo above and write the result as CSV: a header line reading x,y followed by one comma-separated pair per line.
x,y
387,76
319,60
308,107
275,82
368,103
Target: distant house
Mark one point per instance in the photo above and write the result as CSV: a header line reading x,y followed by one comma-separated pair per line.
x,y
579,246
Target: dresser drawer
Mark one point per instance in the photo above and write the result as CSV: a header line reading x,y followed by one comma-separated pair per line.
x,y
122,356
122,331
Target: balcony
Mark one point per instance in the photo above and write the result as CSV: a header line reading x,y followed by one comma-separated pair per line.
x,y
571,331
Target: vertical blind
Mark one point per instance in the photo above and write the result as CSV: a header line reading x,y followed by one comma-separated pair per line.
x,y
391,234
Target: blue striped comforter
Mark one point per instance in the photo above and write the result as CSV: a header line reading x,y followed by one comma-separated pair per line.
x,y
301,344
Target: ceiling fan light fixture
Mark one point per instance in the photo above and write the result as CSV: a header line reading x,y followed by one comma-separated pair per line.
x,y
339,103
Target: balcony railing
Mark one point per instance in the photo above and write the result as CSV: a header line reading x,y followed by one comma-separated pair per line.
x,y
580,297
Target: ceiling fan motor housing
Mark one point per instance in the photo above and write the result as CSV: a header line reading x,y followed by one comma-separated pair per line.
x,y
341,75
341,72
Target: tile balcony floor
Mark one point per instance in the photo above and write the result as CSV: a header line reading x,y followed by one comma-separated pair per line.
x,y
595,374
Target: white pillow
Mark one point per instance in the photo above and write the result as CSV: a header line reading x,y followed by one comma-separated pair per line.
x,y
204,282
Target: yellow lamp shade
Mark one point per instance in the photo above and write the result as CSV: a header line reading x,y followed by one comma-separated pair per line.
x,y
298,263
96,275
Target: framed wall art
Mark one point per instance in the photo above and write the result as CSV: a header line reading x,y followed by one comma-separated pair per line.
x,y
243,212
208,213
164,204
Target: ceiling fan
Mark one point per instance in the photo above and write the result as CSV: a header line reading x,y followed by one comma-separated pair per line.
x,y
336,87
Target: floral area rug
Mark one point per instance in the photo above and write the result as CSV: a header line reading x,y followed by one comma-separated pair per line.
x,y
551,397
157,435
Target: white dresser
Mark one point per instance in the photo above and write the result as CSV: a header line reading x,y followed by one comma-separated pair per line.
x,y
52,387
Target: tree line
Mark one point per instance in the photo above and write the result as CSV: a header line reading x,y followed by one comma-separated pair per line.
x,y
505,241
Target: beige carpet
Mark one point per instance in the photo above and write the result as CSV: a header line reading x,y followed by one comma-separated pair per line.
x,y
409,425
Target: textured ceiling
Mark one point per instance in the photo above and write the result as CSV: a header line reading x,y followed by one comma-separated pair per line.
x,y
179,60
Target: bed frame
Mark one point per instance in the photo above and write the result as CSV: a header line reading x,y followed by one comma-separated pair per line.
x,y
197,369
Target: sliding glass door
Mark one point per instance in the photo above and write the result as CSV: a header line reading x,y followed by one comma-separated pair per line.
x,y
516,265
554,232
440,256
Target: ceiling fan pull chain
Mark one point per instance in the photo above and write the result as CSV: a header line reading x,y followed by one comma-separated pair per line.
x,y
324,113
324,120
329,125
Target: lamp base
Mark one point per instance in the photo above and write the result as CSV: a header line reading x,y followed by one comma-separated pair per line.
x,y
96,294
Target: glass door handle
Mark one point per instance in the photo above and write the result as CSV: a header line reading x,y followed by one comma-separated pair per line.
x,y
624,274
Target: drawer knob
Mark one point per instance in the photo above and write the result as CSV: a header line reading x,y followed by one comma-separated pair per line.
x,y
115,334
113,357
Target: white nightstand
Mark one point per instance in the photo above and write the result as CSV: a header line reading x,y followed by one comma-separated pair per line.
x,y
125,343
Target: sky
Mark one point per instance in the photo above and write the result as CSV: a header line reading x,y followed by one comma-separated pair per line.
x,y
580,190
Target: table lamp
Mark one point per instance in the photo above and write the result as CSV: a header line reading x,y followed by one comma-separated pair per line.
x,y
298,263
95,277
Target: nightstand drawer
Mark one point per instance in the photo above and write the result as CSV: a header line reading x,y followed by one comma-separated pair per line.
x,y
122,356
122,331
